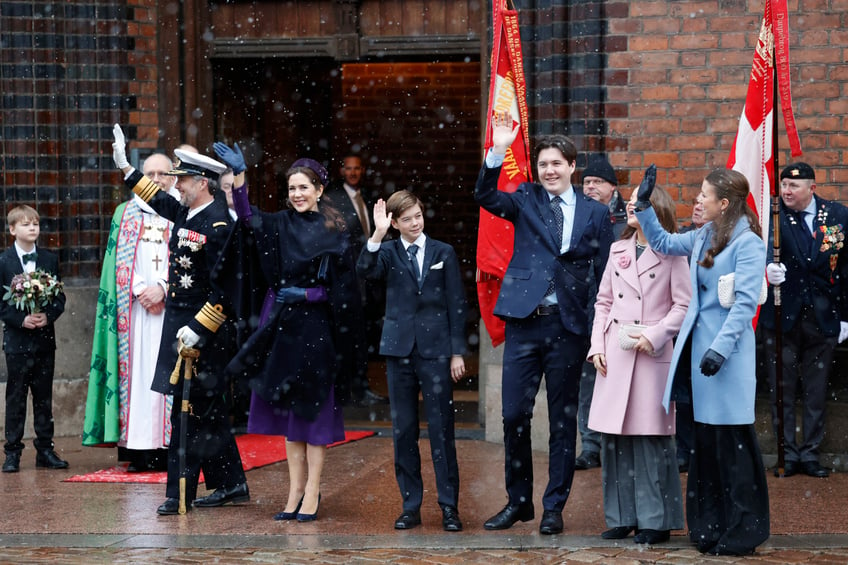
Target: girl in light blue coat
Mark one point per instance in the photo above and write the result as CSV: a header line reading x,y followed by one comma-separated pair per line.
x,y
714,360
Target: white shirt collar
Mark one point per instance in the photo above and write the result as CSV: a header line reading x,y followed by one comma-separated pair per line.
x,y
21,252
195,211
419,241
811,207
569,198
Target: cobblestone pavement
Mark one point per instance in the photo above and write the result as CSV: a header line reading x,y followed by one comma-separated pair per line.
x,y
45,520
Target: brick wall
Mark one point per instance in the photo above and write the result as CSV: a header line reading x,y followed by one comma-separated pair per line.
x,y
646,81
67,72
664,82
417,125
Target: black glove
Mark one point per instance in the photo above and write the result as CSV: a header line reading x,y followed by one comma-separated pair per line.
x,y
711,362
646,187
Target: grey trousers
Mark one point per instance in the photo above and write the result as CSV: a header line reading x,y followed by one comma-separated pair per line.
x,y
590,440
641,482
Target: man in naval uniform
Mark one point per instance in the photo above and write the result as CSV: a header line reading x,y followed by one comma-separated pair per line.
x,y
194,315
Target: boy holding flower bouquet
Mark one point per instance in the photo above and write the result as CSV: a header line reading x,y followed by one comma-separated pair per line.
x,y
32,302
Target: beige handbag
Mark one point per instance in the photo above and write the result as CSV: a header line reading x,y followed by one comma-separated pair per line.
x,y
727,292
627,343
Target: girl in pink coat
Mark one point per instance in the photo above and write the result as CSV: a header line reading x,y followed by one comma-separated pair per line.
x,y
641,303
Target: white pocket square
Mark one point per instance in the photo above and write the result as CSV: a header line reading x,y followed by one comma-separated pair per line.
x,y
437,266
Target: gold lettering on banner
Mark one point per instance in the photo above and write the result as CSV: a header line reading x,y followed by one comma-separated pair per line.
x,y
506,94
510,164
765,47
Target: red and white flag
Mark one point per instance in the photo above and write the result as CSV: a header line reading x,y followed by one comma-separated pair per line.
x,y
507,92
753,152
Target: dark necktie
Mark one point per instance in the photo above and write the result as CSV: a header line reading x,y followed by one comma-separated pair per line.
x,y
29,257
361,211
810,232
413,252
558,220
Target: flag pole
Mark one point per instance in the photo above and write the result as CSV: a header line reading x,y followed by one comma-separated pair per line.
x,y
778,315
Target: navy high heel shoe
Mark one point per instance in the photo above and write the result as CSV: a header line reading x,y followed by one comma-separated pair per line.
x,y
309,517
289,515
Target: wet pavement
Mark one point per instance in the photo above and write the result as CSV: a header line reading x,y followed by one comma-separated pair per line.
x,y
45,520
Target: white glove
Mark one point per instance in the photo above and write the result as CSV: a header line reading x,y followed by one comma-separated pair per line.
x,y
188,336
843,331
776,273
119,148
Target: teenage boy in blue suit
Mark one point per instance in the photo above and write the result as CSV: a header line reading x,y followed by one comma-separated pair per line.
x,y
423,340
29,341
561,236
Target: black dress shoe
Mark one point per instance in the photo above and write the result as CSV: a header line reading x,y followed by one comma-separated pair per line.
x,y
618,532
301,517
408,519
587,460
171,507
651,536
450,519
369,398
813,469
510,514
222,496
13,463
551,523
47,458
790,468
289,515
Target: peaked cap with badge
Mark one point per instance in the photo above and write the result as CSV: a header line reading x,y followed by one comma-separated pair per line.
x,y
191,164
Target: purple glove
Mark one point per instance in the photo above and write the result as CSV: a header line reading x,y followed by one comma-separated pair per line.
x,y
241,203
316,294
296,295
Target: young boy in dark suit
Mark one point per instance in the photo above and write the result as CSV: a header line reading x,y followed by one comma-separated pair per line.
x,y
29,341
423,340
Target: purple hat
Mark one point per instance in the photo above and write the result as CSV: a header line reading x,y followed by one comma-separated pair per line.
x,y
316,168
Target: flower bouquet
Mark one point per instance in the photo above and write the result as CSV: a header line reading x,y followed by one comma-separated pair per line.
x,y
32,292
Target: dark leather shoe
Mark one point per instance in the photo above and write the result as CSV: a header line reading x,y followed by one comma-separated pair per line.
x,y
289,515
408,519
222,496
370,398
551,523
651,536
789,468
301,517
13,463
47,458
171,507
619,532
587,460
450,519
813,469
510,514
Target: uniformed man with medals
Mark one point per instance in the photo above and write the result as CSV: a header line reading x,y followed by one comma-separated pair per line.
x,y
197,333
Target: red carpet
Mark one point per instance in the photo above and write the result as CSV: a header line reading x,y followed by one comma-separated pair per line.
x,y
255,450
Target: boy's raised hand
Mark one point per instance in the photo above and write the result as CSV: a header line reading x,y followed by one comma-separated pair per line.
x,y
382,221
503,134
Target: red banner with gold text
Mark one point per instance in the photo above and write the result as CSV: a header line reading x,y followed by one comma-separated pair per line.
x,y
507,92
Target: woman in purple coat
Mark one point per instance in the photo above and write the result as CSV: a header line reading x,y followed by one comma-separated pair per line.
x,y
641,303
298,358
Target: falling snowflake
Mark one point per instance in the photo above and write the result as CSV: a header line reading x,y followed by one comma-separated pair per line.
x,y
184,261
185,281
